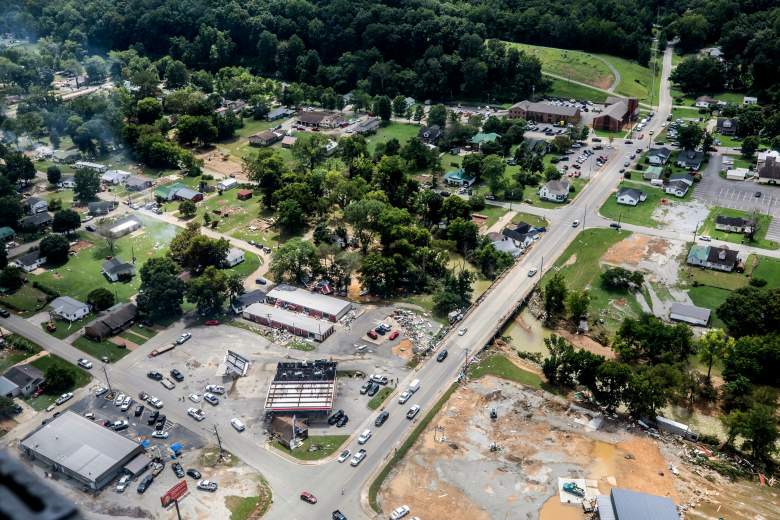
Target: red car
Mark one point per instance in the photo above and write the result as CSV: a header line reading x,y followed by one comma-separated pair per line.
x,y
308,497
211,323
372,334
393,335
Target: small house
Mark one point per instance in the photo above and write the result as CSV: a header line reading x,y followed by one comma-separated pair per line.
x,y
228,183
687,178
690,159
67,182
101,207
30,261
713,257
690,314
288,141
112,322
458,178
517,232
188,194
69,309
705,102
737,174
507,245
289,430
26,378
726,126
138,183
115,177
122,227
677,188
34,205
244,194
7,234
734,224
630,196
481,138
234,257
279,113
555,191
65,156
37,221
116,269
168,191
368,125
265,138
652,173
430,134
658,156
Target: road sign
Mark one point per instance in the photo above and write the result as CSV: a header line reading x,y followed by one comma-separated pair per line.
x,y
236,363
175,493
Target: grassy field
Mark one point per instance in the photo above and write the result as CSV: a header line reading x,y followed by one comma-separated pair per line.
x,y
80,377
82,272
401,131
564,89
500,366
27,300
237,217
248,508
686,114
620,134
709,298
380,397
574,65
635,80
238,145
64,195
641,214
760,240
16,350
729,97
98,349
138,334
534,220
493,213
328,444
767,269
66,328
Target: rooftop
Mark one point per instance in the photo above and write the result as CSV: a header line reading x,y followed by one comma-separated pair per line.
x,y
546,108
288,318
310,300
633,505
691,311
304,386
66,305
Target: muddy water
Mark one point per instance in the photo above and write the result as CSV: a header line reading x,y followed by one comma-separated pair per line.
x,y
603,467
527,332
554,510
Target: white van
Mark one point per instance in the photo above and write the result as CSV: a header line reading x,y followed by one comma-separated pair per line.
x,y
657,182
414,385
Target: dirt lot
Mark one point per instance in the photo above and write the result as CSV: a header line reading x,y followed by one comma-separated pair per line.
x,y
451,473
656,256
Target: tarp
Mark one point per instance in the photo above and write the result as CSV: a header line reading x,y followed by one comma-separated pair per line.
x,y
176,448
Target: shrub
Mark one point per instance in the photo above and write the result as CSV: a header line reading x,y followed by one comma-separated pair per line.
x,y
757,282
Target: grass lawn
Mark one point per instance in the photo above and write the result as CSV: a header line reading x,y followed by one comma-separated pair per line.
x,y
328,444
498,365
767,269
635,80
238,144
80,377
708,228
65,328
64,195
237,217
449,161
380,397
574,65
401,131
710,298
248,266
9,358
82,272
564,89
493,213
741,162
641,214
686,114
99,349
620,134
696,276
27,300
534,220
246,508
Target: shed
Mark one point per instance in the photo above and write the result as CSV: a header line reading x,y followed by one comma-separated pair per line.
x,y
227,183
244,194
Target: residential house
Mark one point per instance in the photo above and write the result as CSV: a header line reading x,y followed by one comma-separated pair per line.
x,y
331,146
188,194
30,261
65,156
430,134
244,194
228,183
279,113
69,309
517,232
91,166
168,191
690,159
506,245
6,234
726,126
630,196
27,379
749,100
481,138
367,126
138,183
67,182
33,205
734,224
658,156
37,221
690,314
555,191
713,52
320,119
544,112
769,173
8,388
288,141
111,322
677,188
265,138
115,269
234,257
101,207
652,173
713,257
687,178
115,177
245,300
458,178
618,113
705,102
537,146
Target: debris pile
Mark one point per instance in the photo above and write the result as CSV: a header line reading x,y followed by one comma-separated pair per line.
x,y
420,330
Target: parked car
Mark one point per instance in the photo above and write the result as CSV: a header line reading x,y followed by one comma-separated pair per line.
x,y
379,379
308,497
153,417
100,391
236,423
139,410
337,515
167,383
358,458
122,484
85,363
393,335
178,470
399,512
381,418
405,395
373,389
614,225
363,437
159,434
365,387
413,411
119,399
64,398
195,398
211,323
145,483
196,413
211,398
441,356
177,375
155,402
344,455
183,338
333,419
343,421
371,334
156,376
215,389
4,313
207,485
193,473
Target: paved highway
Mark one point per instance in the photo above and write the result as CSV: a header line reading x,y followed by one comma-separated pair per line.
x,y
340,486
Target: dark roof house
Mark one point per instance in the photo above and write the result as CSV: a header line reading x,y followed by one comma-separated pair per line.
x,y
115,269
726,126
690,159
430,134
112,322
36,221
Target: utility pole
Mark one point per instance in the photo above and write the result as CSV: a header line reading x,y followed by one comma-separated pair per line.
x,y
178,513
108,382
219,443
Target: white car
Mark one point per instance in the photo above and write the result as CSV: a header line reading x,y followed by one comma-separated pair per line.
x,y
122,484
399,512
363,438
85,363
532,272
155,402
195,398
196,413
184,337
705,238
405,395
344,455
211,398
215,389
63,398
159,435
236,423
126,403
100,391
119,400
462,332
207,485
575,223
358,458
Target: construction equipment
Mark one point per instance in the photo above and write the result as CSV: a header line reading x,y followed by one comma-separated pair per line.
x,y
574,489
493,414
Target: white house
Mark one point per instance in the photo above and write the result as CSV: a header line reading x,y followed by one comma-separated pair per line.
x,y
749,100
677,188
555,191
35,205
228,183
234,257
68,308
630,196
115,177
658,156
86,165
31,261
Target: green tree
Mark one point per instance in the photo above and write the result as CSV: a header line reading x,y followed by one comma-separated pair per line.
x,y
10,211
690,136
309,150
148,110
490,261
555,292
577,303
204,252
59,379
419,112
196,129
611,383
620,279
66,221
363,215
649,338
162,291
712,347
53,175
7,407
464,233
749,146
290,216
100,299
383,108
492,171
455,293
208,291
294,260
87,185
187,209
11,278
437,115
560,352
266,168
379,274
399,106
645,393
176,74
55,248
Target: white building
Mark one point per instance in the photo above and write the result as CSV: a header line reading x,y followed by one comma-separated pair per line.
x,y
313,304
86,165
630,196
295,323
227,183
69,308
234,257
115,177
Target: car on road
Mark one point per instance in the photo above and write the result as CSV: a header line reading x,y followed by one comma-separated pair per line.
x,y
413,411
532,272
337,515
393,335
308,497
196,413
195,398
215,389
343,421
183,338
193,473
144,484
575,223
261,281
344,455
159,434
441,356
399,512
122,484
333,419
462,332
381,418
614,225
404,396
373,389
178,470
177,375
705,238
4,313
211,398
211,323
156,376
236,423
358,458
364,437
627,164
167,383
64,398
207,485
157,403
139,410
85,363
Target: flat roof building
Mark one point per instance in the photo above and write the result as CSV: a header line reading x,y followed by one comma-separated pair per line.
x,y
302,387
544,112
81,449
279,318
690,314
314,304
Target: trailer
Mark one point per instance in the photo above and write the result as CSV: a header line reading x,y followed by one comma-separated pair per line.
x,y
163,350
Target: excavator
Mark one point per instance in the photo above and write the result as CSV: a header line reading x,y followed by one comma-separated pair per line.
x,y
574,489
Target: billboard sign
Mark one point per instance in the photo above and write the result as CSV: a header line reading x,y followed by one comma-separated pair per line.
x,y
236,363
175,493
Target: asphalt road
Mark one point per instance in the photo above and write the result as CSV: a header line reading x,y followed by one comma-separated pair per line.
x,y
340,486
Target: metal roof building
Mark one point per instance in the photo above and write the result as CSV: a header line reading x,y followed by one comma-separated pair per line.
x,y
298,324
314,304
690,314
624,504
302,387
81,449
